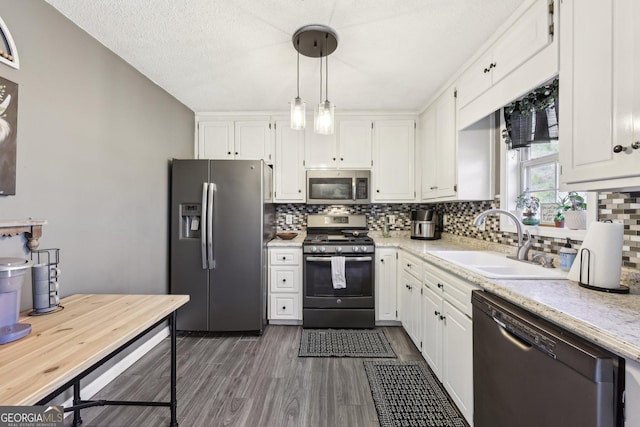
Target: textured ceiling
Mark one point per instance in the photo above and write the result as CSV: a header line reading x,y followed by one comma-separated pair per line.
x,y
237,55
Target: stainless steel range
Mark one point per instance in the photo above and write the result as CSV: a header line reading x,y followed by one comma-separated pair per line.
x,y
332,240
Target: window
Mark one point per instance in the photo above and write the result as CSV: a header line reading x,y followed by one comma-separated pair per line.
x,y
536,169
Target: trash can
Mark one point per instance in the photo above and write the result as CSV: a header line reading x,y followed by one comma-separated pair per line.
x,y
12,271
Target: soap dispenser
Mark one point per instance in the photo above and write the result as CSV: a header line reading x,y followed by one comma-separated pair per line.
x,y
567,256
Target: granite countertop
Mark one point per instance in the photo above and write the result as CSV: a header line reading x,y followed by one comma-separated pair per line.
x,y
611,320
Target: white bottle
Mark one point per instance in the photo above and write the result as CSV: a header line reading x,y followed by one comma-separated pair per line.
x,y
567,256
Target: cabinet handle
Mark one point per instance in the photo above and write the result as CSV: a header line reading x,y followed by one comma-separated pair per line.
x,y
341,159
284,307
334,158
236,153
299,191
486,70
284,280
284,258
492,65
433,188
377,191
620,148
409,265
440,285
229,152
382,260
437,313
443,317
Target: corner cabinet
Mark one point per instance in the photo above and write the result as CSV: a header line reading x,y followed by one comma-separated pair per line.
x,y
600,94
285,286
385,283
348,148
235,139
393,161
289,172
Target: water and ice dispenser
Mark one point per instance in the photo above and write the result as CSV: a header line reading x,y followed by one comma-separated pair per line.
x,y
190,220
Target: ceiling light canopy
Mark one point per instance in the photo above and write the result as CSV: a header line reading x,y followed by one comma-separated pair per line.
x,y
314,41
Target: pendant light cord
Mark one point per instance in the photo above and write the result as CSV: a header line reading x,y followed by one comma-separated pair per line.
x,y
320,75
326,86
298,69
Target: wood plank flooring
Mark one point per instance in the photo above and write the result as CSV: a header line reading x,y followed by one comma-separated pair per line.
x,y
247,381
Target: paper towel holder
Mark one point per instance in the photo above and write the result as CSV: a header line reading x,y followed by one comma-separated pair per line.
x,y
619,290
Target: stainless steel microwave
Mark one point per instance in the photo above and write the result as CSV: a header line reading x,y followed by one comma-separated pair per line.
x,y
338,187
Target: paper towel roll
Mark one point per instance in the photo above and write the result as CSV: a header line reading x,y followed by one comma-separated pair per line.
x,y
604,241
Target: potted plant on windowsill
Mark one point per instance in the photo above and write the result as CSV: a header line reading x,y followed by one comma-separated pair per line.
x,y
562,206
576,215
530,208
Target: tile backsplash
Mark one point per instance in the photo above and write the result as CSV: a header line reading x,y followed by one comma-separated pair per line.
x,y
458,216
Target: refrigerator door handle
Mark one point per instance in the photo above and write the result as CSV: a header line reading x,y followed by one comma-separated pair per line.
x,y
203,227
210,235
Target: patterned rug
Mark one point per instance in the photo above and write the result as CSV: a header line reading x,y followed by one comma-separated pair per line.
x,y
408,394
344,343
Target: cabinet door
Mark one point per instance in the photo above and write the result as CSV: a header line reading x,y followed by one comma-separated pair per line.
x,y
432,330
446,144
394,151
475,80
215,140
458,358
386,284
289,175
427,160
354,144
320,150
528,36
252,140
599,55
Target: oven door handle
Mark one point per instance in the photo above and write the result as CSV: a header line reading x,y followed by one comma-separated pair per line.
x,y
347,259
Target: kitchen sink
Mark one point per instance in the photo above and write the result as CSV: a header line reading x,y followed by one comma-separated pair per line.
x,y
494,265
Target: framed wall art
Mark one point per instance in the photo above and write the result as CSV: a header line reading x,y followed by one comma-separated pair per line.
x,y
8,136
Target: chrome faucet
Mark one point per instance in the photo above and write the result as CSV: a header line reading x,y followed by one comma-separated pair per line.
x,y
523,248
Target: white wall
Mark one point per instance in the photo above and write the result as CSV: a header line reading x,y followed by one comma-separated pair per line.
x,y
94,141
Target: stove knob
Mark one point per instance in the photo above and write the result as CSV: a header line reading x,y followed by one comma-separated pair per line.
x,y
314,249
356,249
323,249
339,249
363,249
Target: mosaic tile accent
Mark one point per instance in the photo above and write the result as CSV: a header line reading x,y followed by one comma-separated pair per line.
x,y
458,218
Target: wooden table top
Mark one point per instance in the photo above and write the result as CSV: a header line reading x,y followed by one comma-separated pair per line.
x,y
62,345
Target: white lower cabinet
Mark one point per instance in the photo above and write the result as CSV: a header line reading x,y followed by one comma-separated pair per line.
x,y
447,334
632,393
386,285
409,288
285,285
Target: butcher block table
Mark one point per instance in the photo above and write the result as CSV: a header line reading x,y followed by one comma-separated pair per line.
x,y
67,345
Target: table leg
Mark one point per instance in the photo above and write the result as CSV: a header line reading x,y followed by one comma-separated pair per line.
x,y
174,398
77,420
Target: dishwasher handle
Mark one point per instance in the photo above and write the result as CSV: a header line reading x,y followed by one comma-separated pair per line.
x,y
515,339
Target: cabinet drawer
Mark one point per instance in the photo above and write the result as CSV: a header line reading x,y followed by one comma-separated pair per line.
x,y
285,306
284,257
454,289
285,279
411,265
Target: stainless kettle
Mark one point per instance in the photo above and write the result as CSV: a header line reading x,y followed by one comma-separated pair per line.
x,y
425,224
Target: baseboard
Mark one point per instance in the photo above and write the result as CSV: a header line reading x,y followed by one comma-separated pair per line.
x,y
285,322
112,373
388,323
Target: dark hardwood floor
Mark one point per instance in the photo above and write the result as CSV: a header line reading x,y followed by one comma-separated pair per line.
x,y
247,381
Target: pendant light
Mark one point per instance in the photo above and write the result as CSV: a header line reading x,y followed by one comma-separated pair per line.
x,y
323,122
298,107
315,41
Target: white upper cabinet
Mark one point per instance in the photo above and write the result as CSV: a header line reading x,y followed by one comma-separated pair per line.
x,y
523,56
348,148
455,165
393,161
437,139
525,38
239,139
289,172
354,143
600,94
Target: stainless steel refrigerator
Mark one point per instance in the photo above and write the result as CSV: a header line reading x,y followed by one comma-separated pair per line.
x,y
222,217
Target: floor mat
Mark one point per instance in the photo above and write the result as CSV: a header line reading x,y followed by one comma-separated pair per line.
x,y
408,394
344,343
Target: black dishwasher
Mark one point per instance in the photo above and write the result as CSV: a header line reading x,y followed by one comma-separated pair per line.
x,y
528,372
